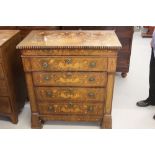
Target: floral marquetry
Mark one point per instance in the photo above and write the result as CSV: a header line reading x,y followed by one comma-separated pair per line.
x,y
70,75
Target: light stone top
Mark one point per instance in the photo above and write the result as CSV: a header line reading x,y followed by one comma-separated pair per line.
x,y
70,39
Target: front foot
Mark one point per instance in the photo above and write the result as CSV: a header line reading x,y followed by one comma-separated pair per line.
x,y
35,121
124,75
106,122
27,99
14,119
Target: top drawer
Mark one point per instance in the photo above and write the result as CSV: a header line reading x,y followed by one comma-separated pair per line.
x,y
69,64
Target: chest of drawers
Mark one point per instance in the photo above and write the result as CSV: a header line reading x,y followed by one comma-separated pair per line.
x,y
12,88
70,75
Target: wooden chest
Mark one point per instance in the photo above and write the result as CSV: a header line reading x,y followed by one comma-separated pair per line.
x,y
70,75
12,85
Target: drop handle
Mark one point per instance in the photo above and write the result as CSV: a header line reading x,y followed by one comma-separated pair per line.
x,y
91,79
92,64
46,78
45,64
69,74
69,90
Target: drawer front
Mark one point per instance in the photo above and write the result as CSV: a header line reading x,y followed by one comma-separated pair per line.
x,y
5,105
72,117
68,93
1,72
70,79
69,52
67,108
3,88
69,64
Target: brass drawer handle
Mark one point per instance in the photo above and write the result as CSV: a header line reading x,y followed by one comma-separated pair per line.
x,y
50,108
92,64
69,90
68,61
70,104
90,109
46,78
91,94
45,65
49,94
91,79
68,74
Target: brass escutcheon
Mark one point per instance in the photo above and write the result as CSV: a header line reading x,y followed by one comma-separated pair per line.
x,y
70,104
50,108
90,109
68,61
49,94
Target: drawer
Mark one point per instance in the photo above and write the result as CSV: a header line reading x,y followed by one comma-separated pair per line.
x,y
69,64
70,79
5,106
69,93
69,108
1,72
72,117
68,52
3,88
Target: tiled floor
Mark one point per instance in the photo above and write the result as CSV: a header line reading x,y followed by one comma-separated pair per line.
x,y
125,113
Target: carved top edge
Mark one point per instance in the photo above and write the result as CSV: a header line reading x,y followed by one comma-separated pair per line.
x,y
70,39
5,35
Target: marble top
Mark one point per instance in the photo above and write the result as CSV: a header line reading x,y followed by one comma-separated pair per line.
x,y
5,35
40,39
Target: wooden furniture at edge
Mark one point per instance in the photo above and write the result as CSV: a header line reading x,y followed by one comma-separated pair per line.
x,y
25,30
12,85
125,35
70,75
149,32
